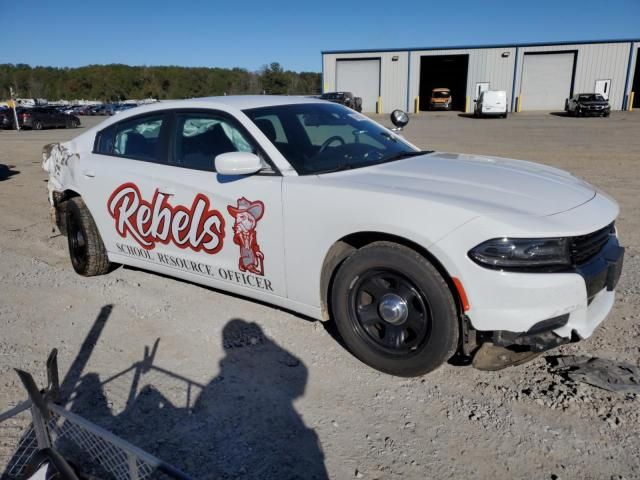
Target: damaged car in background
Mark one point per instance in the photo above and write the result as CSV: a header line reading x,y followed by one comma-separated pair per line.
x,y
308,205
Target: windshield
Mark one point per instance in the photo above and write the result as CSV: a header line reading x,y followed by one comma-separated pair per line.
x,y
319,138
591,97
440,94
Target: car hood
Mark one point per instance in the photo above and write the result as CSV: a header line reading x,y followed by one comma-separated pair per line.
x,y
486,185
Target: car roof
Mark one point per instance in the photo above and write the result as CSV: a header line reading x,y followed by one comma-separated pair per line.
x,y
228,102
242,102
440,90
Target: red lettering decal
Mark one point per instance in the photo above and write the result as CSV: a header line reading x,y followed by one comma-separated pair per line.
x,y
198,227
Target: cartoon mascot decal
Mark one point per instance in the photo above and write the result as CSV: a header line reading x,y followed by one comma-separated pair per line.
x,y
247,214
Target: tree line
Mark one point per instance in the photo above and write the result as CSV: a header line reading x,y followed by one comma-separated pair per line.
x,y
116,82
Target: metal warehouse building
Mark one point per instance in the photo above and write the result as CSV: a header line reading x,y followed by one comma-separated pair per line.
x,y
535,76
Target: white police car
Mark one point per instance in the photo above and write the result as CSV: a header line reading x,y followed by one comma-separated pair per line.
x,y
312,206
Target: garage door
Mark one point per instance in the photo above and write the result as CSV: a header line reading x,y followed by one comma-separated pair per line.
x,y
362,78
546,80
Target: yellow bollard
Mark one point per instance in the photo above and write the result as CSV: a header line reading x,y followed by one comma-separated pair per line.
x,y
519,104
631,95
417,105
466,105
379,105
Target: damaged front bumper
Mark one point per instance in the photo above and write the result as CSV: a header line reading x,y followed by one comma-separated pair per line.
x,y
600,276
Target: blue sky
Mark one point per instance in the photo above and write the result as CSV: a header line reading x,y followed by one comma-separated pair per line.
x,y
250,33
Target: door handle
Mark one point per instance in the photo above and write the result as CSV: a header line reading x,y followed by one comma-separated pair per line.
x,y
169,191
89,173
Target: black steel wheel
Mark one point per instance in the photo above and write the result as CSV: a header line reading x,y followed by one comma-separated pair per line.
x,y
86,249
388,311
394,310
37,125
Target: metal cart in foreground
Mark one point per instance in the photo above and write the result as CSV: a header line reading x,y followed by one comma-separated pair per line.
x,y
45,441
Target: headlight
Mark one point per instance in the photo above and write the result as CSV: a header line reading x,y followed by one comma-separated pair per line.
x,y
515,253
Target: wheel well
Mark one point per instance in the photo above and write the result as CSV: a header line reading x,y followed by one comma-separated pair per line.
x,y
58,211
345,247
59,197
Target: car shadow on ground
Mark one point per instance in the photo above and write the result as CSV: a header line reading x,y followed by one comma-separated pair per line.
x,y
484,117
242,424
7,171
560,114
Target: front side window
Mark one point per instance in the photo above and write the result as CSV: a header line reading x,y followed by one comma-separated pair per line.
x,y
200,137
138,138
319,138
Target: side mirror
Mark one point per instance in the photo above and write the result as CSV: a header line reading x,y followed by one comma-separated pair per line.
x,y
399,119
237,163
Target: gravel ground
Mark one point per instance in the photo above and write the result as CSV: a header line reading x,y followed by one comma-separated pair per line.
x,y
238,389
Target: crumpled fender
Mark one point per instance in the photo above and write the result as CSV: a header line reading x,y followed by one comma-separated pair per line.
x,y
56,160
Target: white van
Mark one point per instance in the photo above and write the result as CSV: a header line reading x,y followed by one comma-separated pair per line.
x,y
491,102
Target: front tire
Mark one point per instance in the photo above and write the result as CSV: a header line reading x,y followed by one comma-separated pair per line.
x,y
394,310
86,249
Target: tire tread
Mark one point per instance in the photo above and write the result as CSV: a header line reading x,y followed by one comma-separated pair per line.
x,y
97,259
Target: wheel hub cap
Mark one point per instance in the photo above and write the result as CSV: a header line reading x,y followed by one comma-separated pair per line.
x,y
393,309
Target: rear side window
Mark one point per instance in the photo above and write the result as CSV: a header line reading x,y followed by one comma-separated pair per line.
x,y
139,138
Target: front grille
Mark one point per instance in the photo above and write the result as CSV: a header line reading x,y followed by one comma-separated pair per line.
x,y
585,247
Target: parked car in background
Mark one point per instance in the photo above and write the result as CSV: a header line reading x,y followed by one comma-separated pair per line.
x,y
344,98
69,109
120,107
440,99
38,118
491,103
587,104
83,109
6,118
97,110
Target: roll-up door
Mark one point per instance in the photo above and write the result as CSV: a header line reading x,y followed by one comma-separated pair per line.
x,y
362,78
546,80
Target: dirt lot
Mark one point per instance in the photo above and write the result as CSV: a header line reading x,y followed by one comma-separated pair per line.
x,y
242,390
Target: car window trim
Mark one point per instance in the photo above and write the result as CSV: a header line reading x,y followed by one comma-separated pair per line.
x,y
225,116
162,137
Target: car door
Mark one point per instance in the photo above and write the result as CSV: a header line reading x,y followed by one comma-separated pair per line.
x,y
603,87
242,250
48,117
117,183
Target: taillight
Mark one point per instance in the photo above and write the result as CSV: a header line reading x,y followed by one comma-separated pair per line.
x,y
24,116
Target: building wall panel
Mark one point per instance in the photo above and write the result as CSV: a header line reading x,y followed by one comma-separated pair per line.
x,y
400,79
599,61
393,76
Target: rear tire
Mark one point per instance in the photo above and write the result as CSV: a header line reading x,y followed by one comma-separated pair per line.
x,y
394,310
505,115
37,125
86,249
